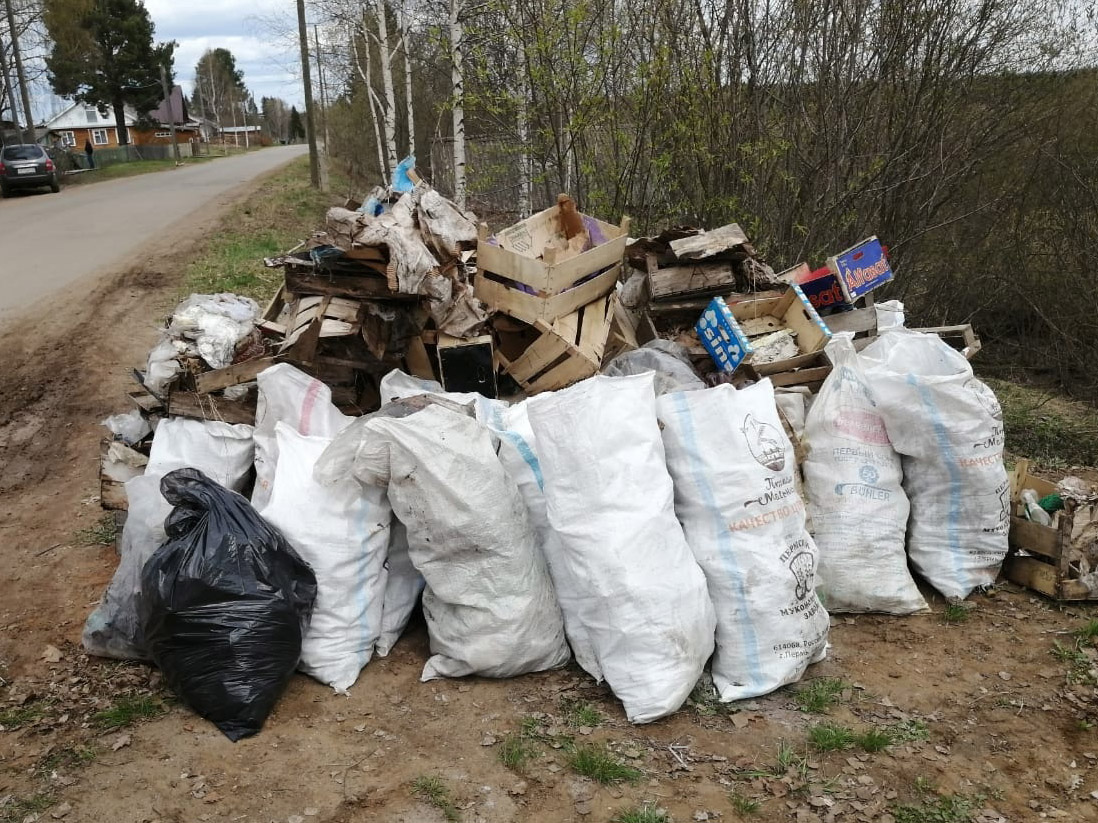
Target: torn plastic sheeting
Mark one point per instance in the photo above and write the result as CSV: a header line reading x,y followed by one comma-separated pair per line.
x,y
216,323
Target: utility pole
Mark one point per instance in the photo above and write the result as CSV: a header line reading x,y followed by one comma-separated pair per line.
x,y
303,37
29,134
171,112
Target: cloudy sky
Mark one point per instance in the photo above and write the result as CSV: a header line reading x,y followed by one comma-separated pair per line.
x,y
260,33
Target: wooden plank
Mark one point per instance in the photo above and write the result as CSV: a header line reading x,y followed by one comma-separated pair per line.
x,y
858,320
696,280
1033,574
530,307
513,266
597,319
545,351
565,374
211,407
417,359
274,307
710,243
112,495
564,276
232,375
370,287
800,377
1034,538
146,401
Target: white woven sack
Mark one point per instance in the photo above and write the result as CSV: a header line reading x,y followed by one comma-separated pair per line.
x,y
637,590
856,502
734,493
949,428
489,602
518,452
288,395
222,452
402,590
342,532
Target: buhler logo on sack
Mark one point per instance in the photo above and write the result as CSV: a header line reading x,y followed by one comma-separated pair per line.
x,y
765,443
867,488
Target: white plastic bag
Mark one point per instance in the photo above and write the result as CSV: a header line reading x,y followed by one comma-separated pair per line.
x,y
129,427
949,428
631,580
396,385
518,453
734,493
216,323
342,532
219,450
289,395
856,502
489,602
666,359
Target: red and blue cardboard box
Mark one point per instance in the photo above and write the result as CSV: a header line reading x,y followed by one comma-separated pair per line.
x,y
861,268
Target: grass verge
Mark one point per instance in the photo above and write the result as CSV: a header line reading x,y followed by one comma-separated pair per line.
x,y
642,814
819,695
103,533
515,753
1051,430
275,217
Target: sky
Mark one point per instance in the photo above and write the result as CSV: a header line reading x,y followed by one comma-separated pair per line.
x,y
261,34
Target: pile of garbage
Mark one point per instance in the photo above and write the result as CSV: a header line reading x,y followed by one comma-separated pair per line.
x,y
652,495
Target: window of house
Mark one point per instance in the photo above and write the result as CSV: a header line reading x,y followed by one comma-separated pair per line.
x,y
163,134
68,138
92,114
99,137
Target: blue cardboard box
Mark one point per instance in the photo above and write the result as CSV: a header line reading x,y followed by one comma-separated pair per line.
x,y
861,268
722,336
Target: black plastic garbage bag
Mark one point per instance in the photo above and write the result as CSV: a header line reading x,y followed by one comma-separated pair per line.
x,y
226,603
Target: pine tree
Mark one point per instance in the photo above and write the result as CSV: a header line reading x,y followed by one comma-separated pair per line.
x,y
103,53
297,128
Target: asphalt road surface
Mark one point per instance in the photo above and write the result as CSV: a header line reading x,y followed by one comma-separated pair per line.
x,y
49,241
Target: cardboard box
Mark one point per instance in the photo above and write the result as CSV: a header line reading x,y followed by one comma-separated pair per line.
x,y
821,286
721,331
861,268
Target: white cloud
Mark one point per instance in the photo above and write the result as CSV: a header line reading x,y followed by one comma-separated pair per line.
x,y
259,33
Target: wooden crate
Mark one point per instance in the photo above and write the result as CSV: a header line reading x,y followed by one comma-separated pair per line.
x,y
1047,565
569,350
513,277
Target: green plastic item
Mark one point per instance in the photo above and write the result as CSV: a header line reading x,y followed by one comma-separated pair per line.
x,y
1051,503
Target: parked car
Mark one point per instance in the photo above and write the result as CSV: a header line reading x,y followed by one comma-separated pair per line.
x,y
26,166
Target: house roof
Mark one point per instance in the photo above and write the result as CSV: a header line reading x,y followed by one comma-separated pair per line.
x,y
84,116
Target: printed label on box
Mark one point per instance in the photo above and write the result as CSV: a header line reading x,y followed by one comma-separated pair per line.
x,y
722,336
861,268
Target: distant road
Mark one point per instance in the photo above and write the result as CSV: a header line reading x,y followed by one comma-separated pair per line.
x,y
48,241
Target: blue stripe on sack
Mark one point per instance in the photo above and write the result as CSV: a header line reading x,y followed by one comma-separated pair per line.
x,y
953,522
749,640
520,444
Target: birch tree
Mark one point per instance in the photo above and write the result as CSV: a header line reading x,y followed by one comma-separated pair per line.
x,y
389,110
458,102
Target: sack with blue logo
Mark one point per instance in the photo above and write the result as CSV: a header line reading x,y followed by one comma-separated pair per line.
x,y
857,507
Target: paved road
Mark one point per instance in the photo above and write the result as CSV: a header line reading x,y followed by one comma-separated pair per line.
x,y
48,241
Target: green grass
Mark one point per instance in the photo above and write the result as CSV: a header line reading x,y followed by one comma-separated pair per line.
x,y
641,814
743,804
70,757
116,171
939,809
103,533
21,715
830,737
874,740
278,215
909,731
704,699
955,613
601,766
1088,632
127,711
21,808
1052,430
431,790
819,695
1079,666
515,752
579,713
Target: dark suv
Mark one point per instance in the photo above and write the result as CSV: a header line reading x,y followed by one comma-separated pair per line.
x,y
26,166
